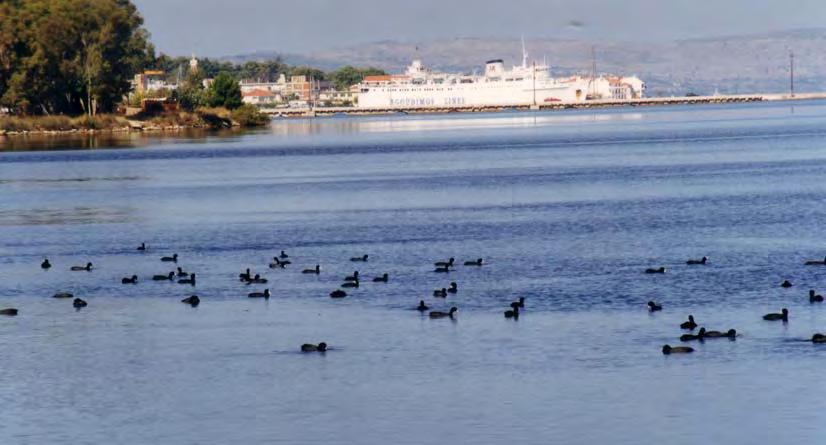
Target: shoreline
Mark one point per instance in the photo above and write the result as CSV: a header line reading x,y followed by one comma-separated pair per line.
x,y
215,122
205,119
598,104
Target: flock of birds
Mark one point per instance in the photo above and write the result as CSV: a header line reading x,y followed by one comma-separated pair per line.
x,y
354,281
281,261
731,334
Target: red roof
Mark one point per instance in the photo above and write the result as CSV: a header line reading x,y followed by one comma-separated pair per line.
x,y
385,78
257,93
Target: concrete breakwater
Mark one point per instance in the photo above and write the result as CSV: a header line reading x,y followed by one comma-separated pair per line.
x,y
652,101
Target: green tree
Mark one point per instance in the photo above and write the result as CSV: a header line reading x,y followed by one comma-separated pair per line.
x,y
312,73
224,92
191,93
347,76
69,56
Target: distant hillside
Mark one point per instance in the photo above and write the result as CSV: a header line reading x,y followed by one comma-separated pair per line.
x,y
735,64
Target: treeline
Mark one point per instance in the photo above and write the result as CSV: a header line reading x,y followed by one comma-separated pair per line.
x,y
69,56
79,57
263,71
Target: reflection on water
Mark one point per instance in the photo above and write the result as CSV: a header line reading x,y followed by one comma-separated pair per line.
x,y
417,123
67,216
107,140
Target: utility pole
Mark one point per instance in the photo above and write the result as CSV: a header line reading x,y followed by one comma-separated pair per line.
x,y
791,73
593,72
533,77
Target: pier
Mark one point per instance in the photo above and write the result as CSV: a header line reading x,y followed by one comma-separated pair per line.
x,y
643,102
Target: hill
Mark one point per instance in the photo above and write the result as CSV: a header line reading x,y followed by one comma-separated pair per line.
x,y
730,64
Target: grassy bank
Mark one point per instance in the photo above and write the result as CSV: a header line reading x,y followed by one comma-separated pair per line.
x,y
203,118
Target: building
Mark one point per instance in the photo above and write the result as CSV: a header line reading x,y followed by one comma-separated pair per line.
x,y
261,97
272,87
609,87
151,80
296,90
334,98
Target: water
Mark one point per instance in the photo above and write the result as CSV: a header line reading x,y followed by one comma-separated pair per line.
x,y
567,208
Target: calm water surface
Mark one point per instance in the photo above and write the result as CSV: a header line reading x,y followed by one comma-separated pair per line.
x,y
567,208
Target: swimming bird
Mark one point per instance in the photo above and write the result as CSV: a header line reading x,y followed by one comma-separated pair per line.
x,y
338,294
321,347
169,277
190,280
442,270
351,284
10,312
45,264
653,307
87,267
783,315
78,303
453,288
520,303
513,312
265,294
284,255
281,262
448,263
192,301
817,338
657,270
382,279
359,259
244,276
813,298
786,284
142,247
437,314
170,259
257,280
354,277
690,324
422,307
130,280
691,262
667,350
731,333
440,293
816,263
181,273
690,337
478,262
316,271
63,295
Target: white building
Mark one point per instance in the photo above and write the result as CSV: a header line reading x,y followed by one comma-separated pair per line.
x,y
261,97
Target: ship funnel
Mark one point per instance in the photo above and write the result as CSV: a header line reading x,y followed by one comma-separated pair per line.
x,y
494,68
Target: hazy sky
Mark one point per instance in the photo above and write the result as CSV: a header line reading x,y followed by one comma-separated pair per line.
x,y
226,27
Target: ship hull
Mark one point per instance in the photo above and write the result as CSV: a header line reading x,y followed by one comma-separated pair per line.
x,y
499,93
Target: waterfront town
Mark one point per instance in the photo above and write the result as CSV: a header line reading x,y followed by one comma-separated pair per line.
x,y
417,87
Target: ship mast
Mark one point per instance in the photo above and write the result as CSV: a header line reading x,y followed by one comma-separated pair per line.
x,y
524,54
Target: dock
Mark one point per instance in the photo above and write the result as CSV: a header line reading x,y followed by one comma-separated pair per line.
x,y
643,102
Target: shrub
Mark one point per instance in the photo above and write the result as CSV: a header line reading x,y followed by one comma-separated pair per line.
x,y
250,116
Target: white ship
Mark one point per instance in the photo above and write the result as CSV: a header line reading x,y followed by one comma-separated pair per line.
x,y
528,84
